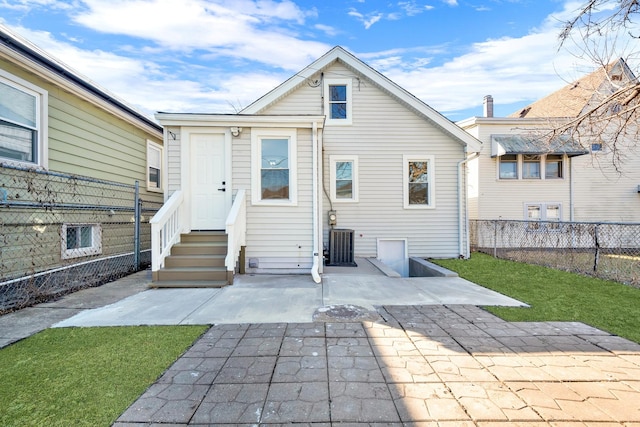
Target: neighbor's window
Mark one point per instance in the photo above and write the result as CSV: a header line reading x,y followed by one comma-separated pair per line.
x,y
274,167
418,182
553,166
596,147
154,166
509,166
23,109
338,101
543,215
530,167
79,240
344,178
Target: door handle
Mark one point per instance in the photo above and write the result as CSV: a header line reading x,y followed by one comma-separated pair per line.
x,y
222,189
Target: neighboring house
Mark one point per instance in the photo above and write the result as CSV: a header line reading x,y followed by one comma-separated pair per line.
x,y
520,175
336,147
70,154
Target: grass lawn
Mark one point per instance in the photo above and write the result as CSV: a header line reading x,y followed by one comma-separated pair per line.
x,y
554,295
85,376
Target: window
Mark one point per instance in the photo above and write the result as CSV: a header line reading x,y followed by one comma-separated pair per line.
x,y
23,121
154,166
418,182
79,240
344,178
596,147
274,167
543,215
509,166
530,167
553,166
337,101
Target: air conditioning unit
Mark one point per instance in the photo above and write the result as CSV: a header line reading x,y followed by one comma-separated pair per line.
x,y
341,248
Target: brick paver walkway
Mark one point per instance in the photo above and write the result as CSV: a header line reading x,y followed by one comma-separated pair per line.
x,y
428,365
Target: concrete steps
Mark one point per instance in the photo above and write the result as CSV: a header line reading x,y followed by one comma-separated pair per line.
x,y
196,262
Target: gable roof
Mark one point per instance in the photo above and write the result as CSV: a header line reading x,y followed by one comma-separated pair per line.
x,y
573,99
36,60
340,54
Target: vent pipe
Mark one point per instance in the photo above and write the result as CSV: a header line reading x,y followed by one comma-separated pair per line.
x,y
488,106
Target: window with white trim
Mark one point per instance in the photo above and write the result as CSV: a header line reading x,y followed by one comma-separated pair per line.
x,y
543,215
418,182
80,240
344,178
23,121
338,101
508,166
530,166
274,167
154,166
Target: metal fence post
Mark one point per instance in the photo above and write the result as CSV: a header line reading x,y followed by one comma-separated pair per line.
x,y
136,232
597,245
495,239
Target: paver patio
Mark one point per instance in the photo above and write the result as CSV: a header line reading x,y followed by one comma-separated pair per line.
x,y
420,365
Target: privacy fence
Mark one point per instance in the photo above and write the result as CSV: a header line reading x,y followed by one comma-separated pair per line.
x,y
605,250
60,233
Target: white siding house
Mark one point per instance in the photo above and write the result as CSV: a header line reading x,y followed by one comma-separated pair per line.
x,y
349,150
576,181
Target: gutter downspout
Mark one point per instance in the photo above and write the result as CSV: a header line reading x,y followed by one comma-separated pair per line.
x,y
570,189
463,249
315,252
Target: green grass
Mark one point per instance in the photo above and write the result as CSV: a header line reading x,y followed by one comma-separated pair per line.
x,y
554,295
84,376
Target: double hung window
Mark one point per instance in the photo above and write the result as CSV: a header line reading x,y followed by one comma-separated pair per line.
x,y
22,121
338,101
419,182
344,178
274,167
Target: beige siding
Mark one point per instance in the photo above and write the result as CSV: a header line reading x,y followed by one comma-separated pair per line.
x,y
279,237
173,159
506,199
382,132
604,194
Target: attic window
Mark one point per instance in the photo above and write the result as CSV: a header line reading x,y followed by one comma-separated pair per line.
x,y
337,101
616,77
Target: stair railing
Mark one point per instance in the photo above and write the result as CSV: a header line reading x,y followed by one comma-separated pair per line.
x,y
166,226
236,228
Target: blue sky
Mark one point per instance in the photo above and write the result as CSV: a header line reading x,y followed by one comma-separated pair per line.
x,y
219,56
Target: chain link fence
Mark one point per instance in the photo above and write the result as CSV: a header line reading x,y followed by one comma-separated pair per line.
x,y
60,233
605,250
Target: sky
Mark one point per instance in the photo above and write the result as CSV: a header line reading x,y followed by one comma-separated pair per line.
x,y
218,56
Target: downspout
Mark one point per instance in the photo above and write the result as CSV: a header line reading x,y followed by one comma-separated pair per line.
x,y
462,248
314,179
570,190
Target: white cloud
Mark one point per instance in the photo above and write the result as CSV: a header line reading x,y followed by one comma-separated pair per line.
x,y
238,29
367,20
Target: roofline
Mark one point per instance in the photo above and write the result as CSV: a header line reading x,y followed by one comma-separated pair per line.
x,y
249,120
474,121
18,45
338,53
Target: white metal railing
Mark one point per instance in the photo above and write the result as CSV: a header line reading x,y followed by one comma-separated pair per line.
x,y
166,226
236,228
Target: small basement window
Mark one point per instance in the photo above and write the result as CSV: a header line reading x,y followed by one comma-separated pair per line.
x,y
80,240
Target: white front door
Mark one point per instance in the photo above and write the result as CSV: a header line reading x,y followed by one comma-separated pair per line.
x,y
208,181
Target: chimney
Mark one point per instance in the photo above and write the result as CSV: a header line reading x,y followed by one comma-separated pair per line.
x,y
488,106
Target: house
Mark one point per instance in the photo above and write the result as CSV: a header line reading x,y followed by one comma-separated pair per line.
x,y
522,175
338,160
70,155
